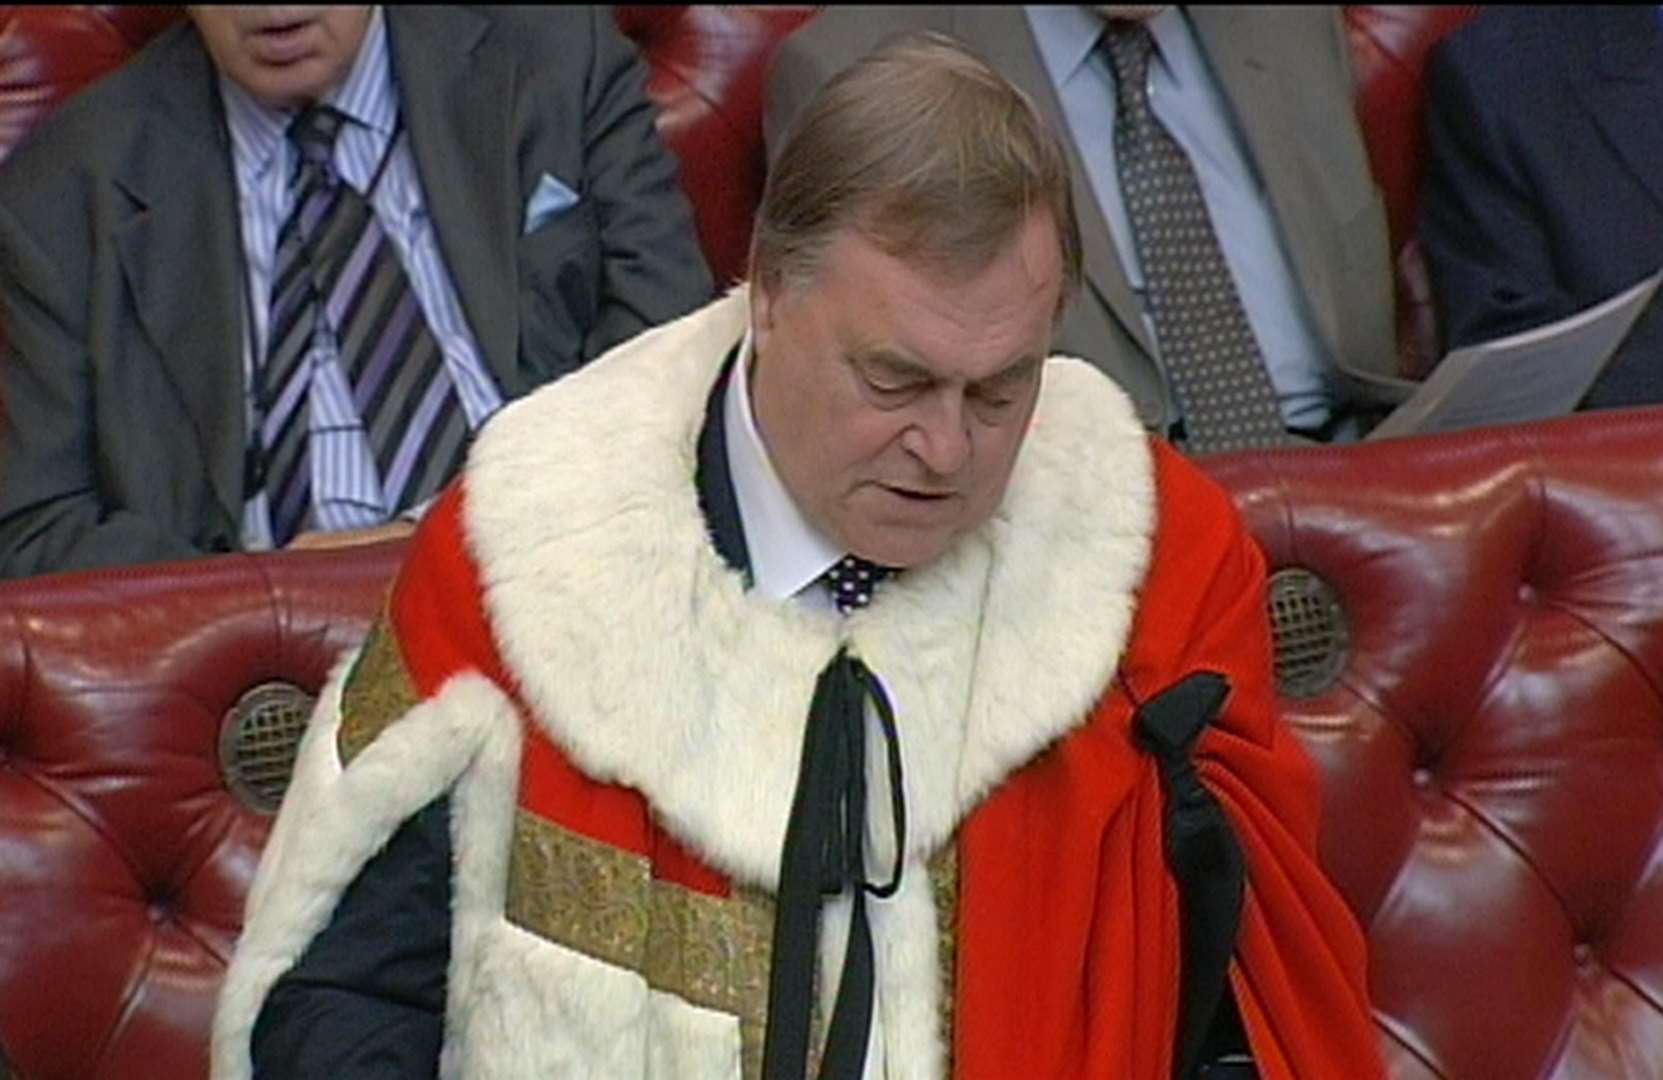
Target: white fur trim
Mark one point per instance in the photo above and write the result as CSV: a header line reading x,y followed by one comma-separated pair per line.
x,y
648,662
909,979
546,1010
905,942
333,821
690,1042
482,809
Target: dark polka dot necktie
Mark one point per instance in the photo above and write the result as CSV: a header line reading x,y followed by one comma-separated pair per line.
x,y
1206,342
853,580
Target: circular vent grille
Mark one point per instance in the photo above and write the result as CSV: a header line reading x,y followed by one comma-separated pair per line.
x,y
257,743
1308,629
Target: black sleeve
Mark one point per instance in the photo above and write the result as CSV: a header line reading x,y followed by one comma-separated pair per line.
x,y
367,998
1488,251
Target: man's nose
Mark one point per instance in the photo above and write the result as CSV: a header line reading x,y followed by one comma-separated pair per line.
x,y
940,434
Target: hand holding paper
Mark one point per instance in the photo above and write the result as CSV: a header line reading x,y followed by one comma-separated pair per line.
x,y
1532,375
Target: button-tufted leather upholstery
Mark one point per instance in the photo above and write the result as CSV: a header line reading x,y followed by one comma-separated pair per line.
x,y
124,860
1388,50
48,52
1492,753
708,66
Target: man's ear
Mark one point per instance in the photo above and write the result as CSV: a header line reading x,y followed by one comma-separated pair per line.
x,y
764,297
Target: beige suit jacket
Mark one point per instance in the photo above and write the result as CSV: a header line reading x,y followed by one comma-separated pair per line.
x,y
1286,73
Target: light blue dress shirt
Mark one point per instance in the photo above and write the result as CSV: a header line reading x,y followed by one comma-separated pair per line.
x,y
1187,99
346,486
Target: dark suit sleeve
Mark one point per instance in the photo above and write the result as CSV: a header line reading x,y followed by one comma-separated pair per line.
x,y
51,514
367,998
1487,245
652,268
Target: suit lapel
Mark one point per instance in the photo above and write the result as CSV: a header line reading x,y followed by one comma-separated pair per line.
x,y
180,254
1260,94
455,83
1002,36
1625,88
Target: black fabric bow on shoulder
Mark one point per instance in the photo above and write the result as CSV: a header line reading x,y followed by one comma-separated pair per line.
x,y
1204,856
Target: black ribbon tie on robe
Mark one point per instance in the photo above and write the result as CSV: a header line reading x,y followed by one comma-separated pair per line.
x,y
824,853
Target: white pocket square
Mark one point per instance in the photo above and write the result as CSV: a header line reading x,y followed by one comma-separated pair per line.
x,y
549,201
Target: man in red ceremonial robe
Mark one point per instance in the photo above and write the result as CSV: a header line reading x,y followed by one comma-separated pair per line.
x,y
830,682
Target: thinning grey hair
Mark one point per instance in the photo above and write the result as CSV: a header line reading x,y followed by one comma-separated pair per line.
x,y
927,151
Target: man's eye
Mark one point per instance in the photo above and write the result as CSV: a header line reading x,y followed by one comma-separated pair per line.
x,y
995,398
890,386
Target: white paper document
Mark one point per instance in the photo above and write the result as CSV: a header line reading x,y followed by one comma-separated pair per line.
x,y
1531,375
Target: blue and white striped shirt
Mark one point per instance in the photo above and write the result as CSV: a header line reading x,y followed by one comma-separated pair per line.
x,y
346,488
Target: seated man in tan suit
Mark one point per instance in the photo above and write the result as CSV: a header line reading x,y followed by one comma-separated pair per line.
x,y
1236,137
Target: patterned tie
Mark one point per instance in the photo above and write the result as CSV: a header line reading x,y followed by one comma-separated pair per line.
x,y
1206,341
336,270
853,580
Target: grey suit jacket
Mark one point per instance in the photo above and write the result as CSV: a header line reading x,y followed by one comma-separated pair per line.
x,y
1287,76
121,280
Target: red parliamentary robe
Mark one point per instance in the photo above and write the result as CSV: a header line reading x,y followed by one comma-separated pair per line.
x,y
1058,951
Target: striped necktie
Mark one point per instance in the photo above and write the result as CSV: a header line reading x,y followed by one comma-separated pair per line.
x,y
337,273
1206,342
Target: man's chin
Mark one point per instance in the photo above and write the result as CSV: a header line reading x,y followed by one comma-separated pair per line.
x,y
902,548
286,86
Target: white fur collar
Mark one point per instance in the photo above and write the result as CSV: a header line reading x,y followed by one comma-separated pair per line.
x,y
644,657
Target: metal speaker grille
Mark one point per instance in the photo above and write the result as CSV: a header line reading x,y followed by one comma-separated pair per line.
x,y
257,743
1308,630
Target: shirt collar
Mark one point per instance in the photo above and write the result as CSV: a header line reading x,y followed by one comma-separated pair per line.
x,y
787,553
366,96
1068,35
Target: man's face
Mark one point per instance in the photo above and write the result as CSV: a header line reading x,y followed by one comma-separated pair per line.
x,y
286,57
892,400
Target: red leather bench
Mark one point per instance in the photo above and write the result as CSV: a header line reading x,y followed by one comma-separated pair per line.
x,y
1470,642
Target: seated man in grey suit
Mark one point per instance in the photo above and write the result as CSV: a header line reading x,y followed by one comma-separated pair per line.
x,y
1238,281
261,284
